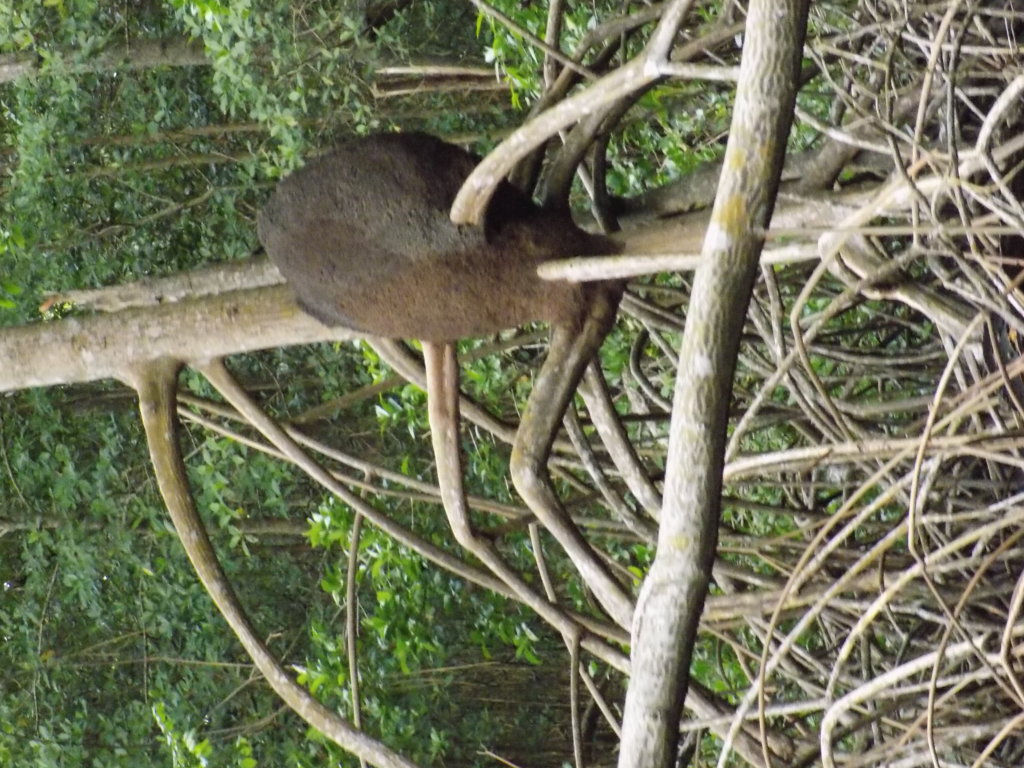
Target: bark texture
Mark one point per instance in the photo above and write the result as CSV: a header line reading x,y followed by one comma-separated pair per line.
x,y
79,349
673,593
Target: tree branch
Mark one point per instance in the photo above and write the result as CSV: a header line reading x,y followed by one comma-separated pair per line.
x,y
665,624
80,349
156,384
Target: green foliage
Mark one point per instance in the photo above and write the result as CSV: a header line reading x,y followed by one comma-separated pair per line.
x,y
101,614
186,750
251,61
414,619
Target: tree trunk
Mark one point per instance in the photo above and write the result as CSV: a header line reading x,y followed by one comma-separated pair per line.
x,y
137,54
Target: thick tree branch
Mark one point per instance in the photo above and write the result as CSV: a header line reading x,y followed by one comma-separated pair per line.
x,y
673,593
79,349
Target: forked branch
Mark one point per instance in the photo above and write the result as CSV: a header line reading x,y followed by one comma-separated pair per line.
x,y
442,378
641,72
562,619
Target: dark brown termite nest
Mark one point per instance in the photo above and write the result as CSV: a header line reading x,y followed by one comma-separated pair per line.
x,y
363,236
